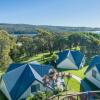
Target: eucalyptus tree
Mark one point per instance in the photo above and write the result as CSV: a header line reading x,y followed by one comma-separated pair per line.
x,y
46,38
60,42
27,45
6,44
94,46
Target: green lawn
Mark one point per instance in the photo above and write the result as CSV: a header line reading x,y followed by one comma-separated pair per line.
x,y
41,58
73,85
2,96
79,73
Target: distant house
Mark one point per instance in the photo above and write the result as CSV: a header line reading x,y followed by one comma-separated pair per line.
x,y
70,59
22,80
93,71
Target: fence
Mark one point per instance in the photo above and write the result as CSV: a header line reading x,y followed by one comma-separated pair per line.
x,y
90,95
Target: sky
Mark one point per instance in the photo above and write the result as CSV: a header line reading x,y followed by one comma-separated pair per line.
x,y
51,12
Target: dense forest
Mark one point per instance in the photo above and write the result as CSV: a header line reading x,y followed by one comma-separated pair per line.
x,y
31,29
13,49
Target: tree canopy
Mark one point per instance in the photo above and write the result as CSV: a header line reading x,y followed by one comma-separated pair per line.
x,y
6,44
14,49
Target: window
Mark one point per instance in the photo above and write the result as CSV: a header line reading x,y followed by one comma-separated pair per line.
x,y
94,73
35,88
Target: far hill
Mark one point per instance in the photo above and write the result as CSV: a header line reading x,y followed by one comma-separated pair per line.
x,y
31,29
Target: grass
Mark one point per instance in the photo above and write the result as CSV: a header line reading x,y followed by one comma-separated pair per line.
x,y
41,58
73,85
75,48
79,73
2,96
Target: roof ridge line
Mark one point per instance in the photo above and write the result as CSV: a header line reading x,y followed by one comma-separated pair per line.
x,y
32,69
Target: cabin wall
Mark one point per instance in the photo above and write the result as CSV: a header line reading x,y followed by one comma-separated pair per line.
x,y
29,93
67,64
95,81
42,87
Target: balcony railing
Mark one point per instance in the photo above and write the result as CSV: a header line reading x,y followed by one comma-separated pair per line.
x,y
90,95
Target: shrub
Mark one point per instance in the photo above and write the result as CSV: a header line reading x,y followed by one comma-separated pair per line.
x,y
48,94
57,91
38,96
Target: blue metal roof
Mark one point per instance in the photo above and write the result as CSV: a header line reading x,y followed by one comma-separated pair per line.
x,y
95,61
11,77
22,84
98,67
77,56
62,56
41,69
13,66
24,79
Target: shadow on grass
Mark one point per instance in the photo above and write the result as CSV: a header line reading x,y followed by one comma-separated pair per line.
x,y
2,96
84,86
91,85
62,70
90,95
81,88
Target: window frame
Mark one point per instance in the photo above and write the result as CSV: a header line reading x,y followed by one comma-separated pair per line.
x,y
36,86
94,73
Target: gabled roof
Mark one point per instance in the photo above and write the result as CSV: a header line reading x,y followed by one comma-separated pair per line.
x,y
62,56
77,56
18,79
14,66
94,62
98,67
42,69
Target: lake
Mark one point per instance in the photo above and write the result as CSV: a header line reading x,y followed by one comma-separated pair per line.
x,y
98,32
15,35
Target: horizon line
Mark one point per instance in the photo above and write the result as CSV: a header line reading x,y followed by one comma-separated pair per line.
x,y
50,25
